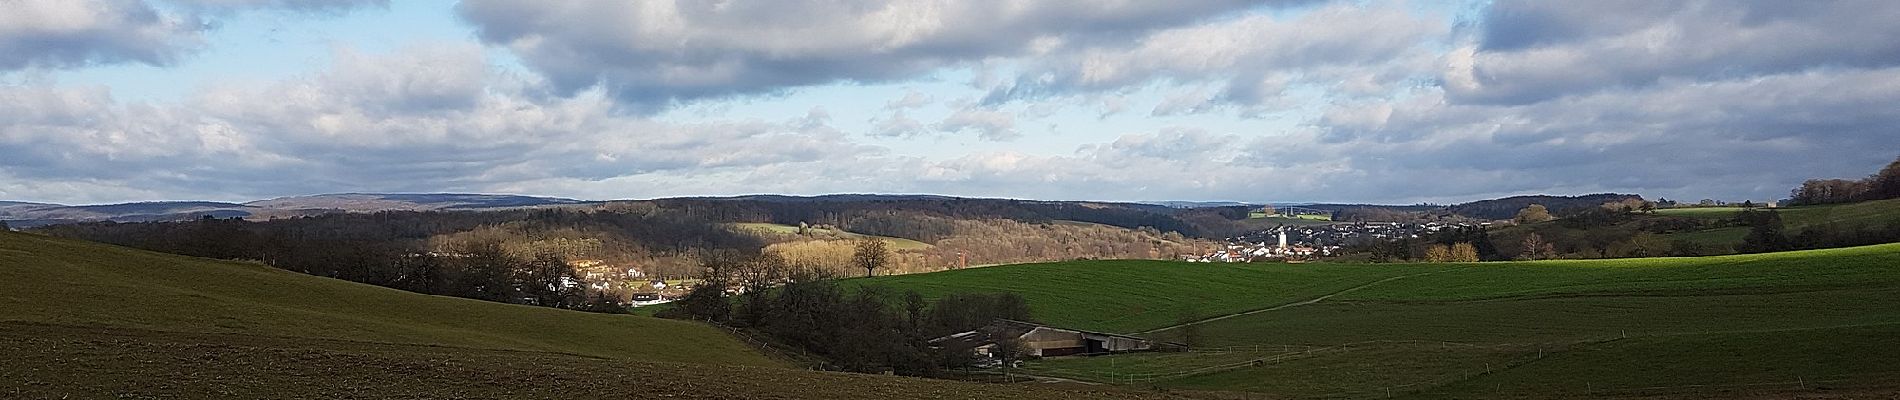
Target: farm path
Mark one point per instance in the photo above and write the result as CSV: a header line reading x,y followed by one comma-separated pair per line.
x,y
1289,305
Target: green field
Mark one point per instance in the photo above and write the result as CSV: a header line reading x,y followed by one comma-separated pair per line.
x,y
84,320
1137,295
1798,217
896,243
1731,326
1794,219
1701,212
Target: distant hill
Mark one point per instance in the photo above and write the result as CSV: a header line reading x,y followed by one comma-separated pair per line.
x,y
843,197
368,202
1507,207
26,215
1200,204
1163,215
11,209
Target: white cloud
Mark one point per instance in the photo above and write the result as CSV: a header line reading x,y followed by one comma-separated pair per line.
x,y
1249,60
665,51
988,124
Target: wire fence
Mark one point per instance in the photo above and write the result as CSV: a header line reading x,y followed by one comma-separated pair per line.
x,y
775,350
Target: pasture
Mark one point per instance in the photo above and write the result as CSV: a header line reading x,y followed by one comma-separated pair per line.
x,y
1726,325
1797,218
1127,296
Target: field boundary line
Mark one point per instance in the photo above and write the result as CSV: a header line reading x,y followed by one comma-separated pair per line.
x,y
1293,304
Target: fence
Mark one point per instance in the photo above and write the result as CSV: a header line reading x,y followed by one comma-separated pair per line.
x,y
775,350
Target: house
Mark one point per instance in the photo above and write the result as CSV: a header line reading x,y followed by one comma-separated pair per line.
x,y
647,299
1047,341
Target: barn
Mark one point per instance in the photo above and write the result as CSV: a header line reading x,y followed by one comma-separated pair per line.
x,y
1046,341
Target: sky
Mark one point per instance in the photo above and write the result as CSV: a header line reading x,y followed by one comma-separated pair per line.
x,y
1394,102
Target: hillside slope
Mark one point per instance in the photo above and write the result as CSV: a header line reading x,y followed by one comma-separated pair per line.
x,y
74,283
84,320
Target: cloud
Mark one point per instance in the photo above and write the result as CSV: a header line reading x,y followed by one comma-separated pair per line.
x,y
79,33
1676,139
1245,62
309,6
1359,102
1530,51
657,53
988,124
1732,139
64,34
912,99
898,125
425,118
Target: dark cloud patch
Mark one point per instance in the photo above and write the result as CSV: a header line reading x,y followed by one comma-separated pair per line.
x,y
1727,139
78,33
1534,50
64,34
1519,25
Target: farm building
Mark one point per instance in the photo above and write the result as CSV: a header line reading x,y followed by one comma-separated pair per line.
x,y
1046,341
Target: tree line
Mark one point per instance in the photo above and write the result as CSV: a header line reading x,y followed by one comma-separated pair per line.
x,y
864,329
1879,186
1767,233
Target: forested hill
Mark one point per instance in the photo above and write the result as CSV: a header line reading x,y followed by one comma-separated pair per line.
x,y
23,215
853,210
1493,209
365,202
1507,207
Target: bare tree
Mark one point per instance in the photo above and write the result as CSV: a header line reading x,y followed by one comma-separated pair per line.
x,y
1535,248
1464,252
871,254
1009,350
1438,253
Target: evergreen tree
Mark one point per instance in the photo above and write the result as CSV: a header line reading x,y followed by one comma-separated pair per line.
x,y
1764,233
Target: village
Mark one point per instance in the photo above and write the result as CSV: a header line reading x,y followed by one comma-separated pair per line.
x,y
1300,243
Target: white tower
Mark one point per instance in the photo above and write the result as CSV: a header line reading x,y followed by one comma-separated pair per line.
x,y
1282,238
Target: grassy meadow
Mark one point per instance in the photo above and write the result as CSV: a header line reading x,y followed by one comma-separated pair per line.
x,y
1794,219
1725,326
73,283
1126,296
